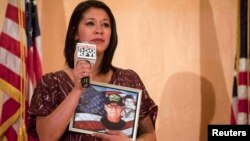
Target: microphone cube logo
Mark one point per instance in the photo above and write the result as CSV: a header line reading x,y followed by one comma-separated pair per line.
x,y
86,51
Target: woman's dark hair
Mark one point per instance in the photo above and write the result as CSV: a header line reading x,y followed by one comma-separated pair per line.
x,y
70,42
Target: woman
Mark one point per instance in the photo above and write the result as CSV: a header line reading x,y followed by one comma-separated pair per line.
x,y
57,94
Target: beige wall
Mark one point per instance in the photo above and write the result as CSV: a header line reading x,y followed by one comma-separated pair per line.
x,y
182,49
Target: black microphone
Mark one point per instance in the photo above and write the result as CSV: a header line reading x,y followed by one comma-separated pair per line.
x,y
87,52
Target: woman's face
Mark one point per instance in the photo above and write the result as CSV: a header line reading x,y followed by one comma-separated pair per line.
x,y
95,28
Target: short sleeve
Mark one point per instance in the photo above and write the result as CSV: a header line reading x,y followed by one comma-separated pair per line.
x,y
41,102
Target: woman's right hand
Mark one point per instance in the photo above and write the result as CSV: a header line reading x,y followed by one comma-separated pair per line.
x,y
82,69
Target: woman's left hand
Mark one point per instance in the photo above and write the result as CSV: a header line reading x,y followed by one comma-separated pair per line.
x,y
112,135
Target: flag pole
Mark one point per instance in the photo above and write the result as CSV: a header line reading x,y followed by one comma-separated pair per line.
x,y
22,136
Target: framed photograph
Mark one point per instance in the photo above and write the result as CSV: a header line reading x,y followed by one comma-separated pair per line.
x,y
106,106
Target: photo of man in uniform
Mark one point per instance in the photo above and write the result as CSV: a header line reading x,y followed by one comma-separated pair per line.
x,y
113,106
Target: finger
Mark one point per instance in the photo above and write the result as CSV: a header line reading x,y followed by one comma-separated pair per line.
x,y
82,65
85,74
92,67
112,132
85,62
86,71
101,135
82,75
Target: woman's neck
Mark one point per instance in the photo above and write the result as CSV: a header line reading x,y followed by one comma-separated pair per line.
x,y
96,76
105,78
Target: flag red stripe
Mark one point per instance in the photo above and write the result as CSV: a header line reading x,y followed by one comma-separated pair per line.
x,y
233,120
10,76
248,106
13,13
242,78
10,107
242,105
11,134
38,64
10,44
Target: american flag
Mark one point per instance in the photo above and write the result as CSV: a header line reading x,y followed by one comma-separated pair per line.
x,y
20,66
240,113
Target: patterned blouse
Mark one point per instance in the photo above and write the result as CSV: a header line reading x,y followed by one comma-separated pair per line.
x,y
53,88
